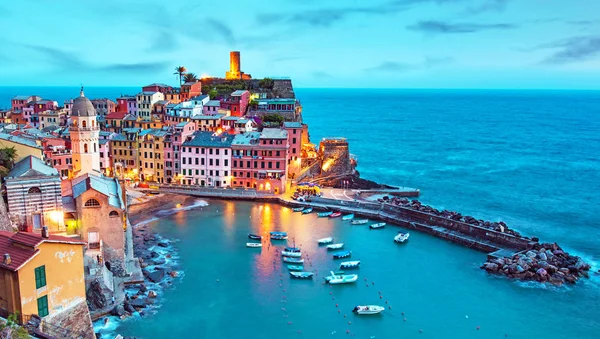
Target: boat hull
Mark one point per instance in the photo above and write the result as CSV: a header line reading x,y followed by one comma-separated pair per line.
x,y
368,310
291,254
350,264
254,236
293,260
253,244
335,247
325,241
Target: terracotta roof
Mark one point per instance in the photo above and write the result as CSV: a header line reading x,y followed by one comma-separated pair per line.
x,y
116,115
21,255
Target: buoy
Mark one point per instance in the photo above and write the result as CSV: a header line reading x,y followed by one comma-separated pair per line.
x,y
217,280
390,307
344,316
367,285
402,313
349,323
299,331
380,297
404,319
386,301
420,331
365,279
347,331
373,282
332,298
330,293
289,322
339,311
478,328
466,316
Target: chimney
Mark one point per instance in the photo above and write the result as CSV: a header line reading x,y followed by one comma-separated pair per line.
x,y
45,232
7,259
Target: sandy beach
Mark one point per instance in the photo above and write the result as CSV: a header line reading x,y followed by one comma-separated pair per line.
x,y
143,207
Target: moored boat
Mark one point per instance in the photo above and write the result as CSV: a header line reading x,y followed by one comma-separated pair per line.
x,y
324,214
348,217
308,210
341,278
324,241
401,237
342,254
378,225
278,235
359,222
295,267
335,246
368,309
254,236
335,215
291,252
293,260
298,209
350,264
253,244
301,275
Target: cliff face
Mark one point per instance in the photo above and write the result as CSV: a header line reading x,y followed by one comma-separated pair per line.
x,y
5,224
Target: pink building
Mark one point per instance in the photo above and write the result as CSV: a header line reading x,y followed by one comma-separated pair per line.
x,y
294,131
206,159
211,107
20,101
178,134
106,165
58,155
237,103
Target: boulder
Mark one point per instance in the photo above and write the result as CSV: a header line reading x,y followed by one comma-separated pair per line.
x,y
564,270
128,307
159,261
487,266
571,279
556,280
139,303
154,254
163,244
520,269
143,288
152,294
541,272
531,254
174,274
542,255
156,276
119,310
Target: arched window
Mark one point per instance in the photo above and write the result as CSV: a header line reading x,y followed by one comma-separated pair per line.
x,y
92,203
34,190
113,214
85,148
93,123
84,124
95,148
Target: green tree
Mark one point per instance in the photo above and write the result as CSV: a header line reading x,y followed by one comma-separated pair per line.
x,y
190,77
7,159
272,118
180,71
266,83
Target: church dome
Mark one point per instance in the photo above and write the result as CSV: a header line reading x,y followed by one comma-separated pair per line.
x,y
82,107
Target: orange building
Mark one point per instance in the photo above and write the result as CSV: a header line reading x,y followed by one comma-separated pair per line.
x,y
190,90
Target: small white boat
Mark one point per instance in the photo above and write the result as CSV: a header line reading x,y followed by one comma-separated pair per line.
x,y
293,260
335,246
341,279
348,217
307,211
401,237
301,275
324,241
350,264
292,252
253,244
359,222
378,225
368,309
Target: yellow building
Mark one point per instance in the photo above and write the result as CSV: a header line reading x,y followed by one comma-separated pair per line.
x,y
44,275
152,155
24,146
124,148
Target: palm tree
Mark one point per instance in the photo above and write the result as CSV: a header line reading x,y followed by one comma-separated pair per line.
x,y
190,77
180,71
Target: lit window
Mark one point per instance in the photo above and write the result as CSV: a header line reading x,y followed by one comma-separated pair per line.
x,y
92,203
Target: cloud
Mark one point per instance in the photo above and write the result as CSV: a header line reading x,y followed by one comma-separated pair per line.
x,y
222,29
165,41
440,27
575,49
399,67
583,22
144,67
488,6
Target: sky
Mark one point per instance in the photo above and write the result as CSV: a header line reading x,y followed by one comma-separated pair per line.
x,y
508,44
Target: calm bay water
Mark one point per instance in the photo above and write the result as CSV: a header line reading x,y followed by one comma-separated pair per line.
x,y
530,158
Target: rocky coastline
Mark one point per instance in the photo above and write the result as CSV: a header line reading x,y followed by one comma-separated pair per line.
x,y
158,259
544,263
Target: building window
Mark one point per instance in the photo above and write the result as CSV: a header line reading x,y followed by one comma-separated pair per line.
x,y
92,203
42,304
85,148
113,214
40,277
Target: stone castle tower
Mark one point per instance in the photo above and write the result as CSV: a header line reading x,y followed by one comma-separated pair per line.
x,y
235,68
84,133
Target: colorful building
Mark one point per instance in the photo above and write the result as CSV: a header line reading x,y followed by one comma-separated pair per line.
x,y
294,131
173,146
17,103
151,155
211,107
24,146
124,148
235,68
104,106
44,275
206,159
190,90
114,121
84,133
237,103
34,195
145,103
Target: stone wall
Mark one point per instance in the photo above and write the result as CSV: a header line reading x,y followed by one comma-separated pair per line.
x,y
335,157
74,322
5,223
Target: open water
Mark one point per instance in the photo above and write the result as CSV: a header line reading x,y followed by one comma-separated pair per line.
x,y
530,158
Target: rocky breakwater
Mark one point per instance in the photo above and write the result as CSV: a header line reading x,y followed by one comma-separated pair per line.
x,y
542,263
158,260
545,263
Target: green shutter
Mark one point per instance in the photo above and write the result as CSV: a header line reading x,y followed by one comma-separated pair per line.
x,y
42,304
40,277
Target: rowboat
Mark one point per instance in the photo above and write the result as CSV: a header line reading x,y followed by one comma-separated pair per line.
x,y
293,260
324,241
341,278
298,209
301,275
253,244
278,235
401,237
348,217
335,246
359,222
291,252
324,214
254,236
350,264
342,254
308,210
335,215
295,267
378,225
367,310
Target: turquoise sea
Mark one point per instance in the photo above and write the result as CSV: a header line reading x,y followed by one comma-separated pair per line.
x,y
530,158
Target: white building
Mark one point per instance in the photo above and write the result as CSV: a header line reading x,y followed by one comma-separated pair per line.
x,y
84,133
206,159
145,103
